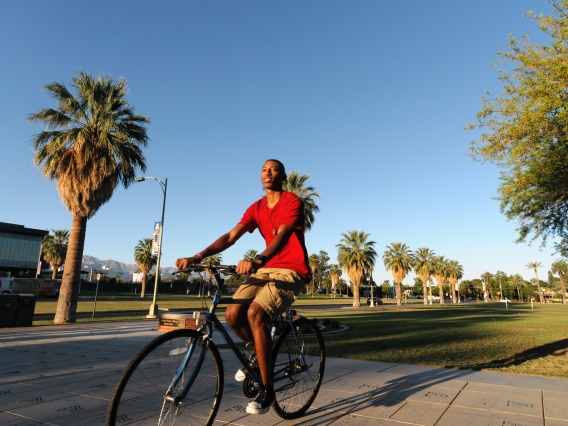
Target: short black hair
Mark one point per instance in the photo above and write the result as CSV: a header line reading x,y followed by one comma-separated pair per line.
x,y
278,162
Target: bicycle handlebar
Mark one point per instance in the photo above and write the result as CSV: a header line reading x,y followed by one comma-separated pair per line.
x,y
226,269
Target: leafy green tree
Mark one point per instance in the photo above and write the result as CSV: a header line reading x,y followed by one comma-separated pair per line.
x,y
560,267
145,261
534,266
92,142
455,273
296,183
519,283
397,258
441,274
54,249
423,265
250,254
525,130
355,254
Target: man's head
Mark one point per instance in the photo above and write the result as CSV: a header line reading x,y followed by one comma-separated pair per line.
x,y
273,175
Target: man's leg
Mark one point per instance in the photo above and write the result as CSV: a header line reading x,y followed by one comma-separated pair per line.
x,y
258,320
236,317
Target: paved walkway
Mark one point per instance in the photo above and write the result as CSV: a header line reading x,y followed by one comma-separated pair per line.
x,y
64,375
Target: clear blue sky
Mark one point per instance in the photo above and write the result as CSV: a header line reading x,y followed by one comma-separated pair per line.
x,y
369,98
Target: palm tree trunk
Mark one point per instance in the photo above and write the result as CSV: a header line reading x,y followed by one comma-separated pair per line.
x,y
453,290
540,299
53,271
356,296
144,281
66,311
398,293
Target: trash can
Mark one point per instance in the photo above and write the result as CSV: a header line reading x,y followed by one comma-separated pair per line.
x,y
8,308
25,310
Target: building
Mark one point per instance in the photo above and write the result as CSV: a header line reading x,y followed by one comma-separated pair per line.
x,y
20,250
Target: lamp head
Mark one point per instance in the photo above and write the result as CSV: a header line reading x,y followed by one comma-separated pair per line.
x,y
139,179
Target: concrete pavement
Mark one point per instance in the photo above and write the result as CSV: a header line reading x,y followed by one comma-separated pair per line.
x,y
64,375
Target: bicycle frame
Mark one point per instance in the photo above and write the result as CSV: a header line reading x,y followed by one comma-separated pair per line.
x,y
211,322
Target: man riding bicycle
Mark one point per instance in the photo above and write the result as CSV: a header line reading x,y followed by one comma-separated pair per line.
x,y
282,271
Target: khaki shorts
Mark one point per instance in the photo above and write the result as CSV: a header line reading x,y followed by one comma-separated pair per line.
x,y
274,289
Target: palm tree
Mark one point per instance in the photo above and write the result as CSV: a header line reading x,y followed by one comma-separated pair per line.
x,y
250,254
519,283
423,265
441,274
54,249
356,254
145,261
560,267
500,277
455,273
485,280
398,259
91,143
296,183
334,274
314,262
534,266
216,259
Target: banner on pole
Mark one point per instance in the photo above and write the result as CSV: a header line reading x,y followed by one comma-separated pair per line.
x,y
156,238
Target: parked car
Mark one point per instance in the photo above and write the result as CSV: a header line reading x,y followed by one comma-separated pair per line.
x,y
376,301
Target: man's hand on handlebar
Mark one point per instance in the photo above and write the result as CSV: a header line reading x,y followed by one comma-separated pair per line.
x,y
248,267
184,262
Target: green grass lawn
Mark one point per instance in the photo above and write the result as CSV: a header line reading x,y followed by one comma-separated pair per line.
x,y
478,336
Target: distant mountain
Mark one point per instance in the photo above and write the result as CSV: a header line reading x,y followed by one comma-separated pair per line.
x,y
114,268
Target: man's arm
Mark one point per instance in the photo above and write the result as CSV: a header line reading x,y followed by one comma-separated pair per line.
x,y
220,244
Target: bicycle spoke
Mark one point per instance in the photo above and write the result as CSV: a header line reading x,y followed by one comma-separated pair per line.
x,y
140,395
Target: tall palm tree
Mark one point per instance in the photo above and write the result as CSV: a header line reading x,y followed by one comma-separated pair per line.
x,y
334,274
398,259
485,280
560,267
92,142
145,261
423,265
54,249
534,266
355,254
441,274
455,273
250,254
296,183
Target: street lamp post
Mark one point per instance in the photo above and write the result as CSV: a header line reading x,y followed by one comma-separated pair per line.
x,y
164,185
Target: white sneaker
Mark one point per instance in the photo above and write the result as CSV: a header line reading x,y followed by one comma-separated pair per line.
x,y
240,375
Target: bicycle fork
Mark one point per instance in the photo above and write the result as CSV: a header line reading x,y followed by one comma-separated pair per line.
x,y
190,349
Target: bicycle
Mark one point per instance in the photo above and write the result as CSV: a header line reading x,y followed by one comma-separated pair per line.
x,y
178,377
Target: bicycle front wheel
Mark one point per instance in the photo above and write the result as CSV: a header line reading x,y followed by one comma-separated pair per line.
x,y
298,365
140,396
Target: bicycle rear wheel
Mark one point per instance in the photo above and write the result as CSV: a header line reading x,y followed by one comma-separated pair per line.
x,y
139,396
298,366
